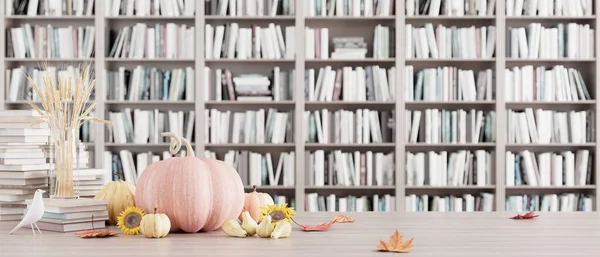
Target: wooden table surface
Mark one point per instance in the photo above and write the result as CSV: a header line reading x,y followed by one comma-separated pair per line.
x,y
435,234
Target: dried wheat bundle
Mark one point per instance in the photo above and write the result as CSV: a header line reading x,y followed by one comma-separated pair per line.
x,y
65,107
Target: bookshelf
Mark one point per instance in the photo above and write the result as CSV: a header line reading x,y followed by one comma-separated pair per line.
x,y
298,104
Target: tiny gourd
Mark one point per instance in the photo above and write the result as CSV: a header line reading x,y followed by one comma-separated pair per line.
x,y
155,225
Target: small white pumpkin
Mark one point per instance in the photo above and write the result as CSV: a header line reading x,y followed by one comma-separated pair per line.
x,y
155,225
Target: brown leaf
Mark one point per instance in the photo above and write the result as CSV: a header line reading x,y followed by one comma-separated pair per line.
x,y
320,227
395,244
526,216
340,218
95,233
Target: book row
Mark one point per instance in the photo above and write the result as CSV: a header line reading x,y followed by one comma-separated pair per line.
x,y
337,168
353,8
314,202
460,168
372,168
145,126
317,44
348,84
441,42
567,202
565,168
144,83
330,8
362,126
153,41
250,7
435,126
483,202
248,127
169,8
49,41
261,169
570,41
231,41
49,7
541,126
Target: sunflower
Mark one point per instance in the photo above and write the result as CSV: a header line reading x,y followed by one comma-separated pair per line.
x,y
129,220
277,213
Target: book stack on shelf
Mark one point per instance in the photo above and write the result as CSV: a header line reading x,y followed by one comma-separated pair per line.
x,y
23,165
249,127
144,126
565,202
19,88
349,48
339,168
225,86
72,215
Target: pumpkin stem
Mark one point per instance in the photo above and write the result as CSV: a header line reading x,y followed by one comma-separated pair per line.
x,y
154,210
254,188
176,142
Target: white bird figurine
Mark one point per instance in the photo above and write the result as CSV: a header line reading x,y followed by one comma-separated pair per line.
x,y
34,214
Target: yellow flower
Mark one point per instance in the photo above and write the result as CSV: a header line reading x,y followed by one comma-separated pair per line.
x,y
277,213
129,220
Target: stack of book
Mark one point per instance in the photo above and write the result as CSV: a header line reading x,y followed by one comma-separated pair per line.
x,y
23,166
72,215
252,87
89,182
349,48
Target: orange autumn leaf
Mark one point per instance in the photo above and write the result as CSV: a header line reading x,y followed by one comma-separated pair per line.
x,y
340,218
95,233
526,216
395,244
320,227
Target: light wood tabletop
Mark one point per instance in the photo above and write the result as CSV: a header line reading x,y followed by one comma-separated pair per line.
x,y
435,234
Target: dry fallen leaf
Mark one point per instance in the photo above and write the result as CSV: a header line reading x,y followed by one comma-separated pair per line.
x,y
320,227
95,233
526,216
395,244
340,218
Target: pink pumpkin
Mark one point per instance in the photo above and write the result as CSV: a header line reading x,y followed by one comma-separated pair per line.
x,y
195,193
255,200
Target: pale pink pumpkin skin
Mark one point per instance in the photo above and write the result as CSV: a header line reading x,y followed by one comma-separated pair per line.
x,y
252,203
227,191
195,193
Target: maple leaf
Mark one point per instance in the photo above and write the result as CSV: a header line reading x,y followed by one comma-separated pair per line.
x,y
395,244
95,233
526,216
320,227
340,218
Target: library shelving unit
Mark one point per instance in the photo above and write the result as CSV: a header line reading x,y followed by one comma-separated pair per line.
x,y
338,26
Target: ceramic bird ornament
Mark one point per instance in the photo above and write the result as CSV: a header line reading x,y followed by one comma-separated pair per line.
x,y
34,214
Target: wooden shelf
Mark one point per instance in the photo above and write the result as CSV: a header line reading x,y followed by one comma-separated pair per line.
x,y
338,27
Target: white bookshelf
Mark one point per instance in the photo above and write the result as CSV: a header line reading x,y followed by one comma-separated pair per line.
x,y
337,25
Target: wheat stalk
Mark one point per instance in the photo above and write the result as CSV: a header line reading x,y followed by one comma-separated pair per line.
x,y
65,107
